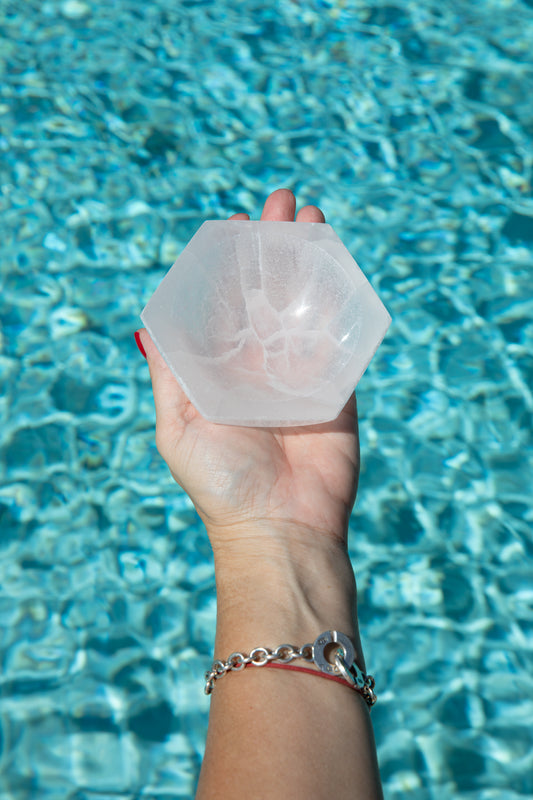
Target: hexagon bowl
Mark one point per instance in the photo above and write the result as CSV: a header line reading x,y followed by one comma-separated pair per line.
x,y
266,323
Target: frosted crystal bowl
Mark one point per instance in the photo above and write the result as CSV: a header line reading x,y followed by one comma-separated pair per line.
x,y
266,323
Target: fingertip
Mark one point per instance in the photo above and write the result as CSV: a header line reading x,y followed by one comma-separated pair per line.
x,y
139,343
310,214
146,345
168,394
280,205
239,216
283,194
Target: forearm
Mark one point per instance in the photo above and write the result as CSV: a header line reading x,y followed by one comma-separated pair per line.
x,y
276,732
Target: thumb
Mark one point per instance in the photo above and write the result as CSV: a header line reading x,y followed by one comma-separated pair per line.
x,y
170,400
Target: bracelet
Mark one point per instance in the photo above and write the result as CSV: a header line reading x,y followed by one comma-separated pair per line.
x,y
344,670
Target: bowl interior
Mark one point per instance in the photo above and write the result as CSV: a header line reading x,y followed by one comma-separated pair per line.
x,y
274,312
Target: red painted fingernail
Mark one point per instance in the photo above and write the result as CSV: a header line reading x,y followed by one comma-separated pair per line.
x,y
140,344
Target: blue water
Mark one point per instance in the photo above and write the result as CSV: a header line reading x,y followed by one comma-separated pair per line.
x,y
123,126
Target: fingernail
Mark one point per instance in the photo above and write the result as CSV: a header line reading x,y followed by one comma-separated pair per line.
x,y
139,343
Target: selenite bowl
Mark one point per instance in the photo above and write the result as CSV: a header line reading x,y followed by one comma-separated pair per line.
x,y
266,323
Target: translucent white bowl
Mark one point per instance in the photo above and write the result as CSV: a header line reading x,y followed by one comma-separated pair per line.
x,y
266,323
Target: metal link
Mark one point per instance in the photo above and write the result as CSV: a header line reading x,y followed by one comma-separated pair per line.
x,y
285,653
264,657
237,661
363,683
306,651
348,671
343,667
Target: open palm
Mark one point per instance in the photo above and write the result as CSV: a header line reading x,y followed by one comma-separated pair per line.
x,y
241,479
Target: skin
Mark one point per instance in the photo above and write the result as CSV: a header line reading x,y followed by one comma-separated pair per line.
x,y
276,504
303,477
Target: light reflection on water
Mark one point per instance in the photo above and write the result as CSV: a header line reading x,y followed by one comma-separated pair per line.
x,y
123,127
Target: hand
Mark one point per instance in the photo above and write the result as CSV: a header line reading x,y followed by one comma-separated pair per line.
x,y
248,484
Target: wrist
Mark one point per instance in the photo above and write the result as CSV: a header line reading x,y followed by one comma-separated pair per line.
x,y
282,588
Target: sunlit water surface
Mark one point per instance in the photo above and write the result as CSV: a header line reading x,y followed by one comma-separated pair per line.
x,y
123,126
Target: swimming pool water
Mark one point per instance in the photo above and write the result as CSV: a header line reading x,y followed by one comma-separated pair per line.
x,y
123,126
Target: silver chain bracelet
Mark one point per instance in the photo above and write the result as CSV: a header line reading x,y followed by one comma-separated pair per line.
x,y
344,665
